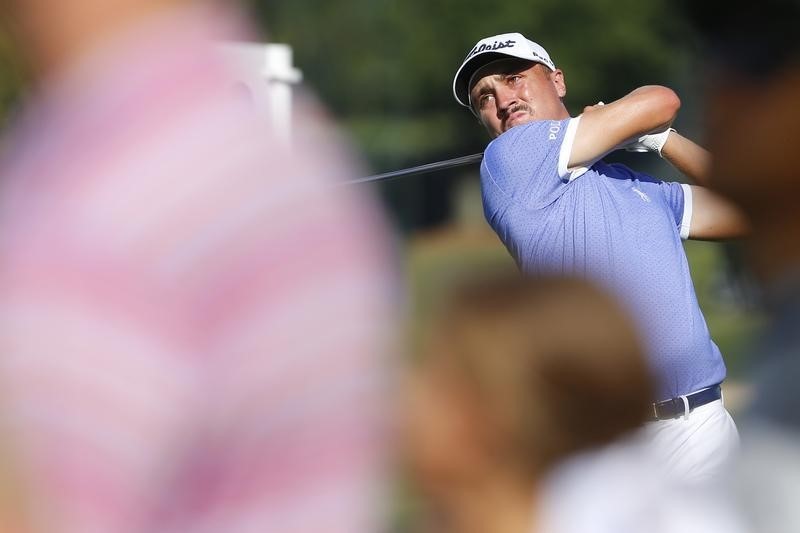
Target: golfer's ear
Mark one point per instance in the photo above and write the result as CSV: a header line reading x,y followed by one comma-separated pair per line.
x,y
560,83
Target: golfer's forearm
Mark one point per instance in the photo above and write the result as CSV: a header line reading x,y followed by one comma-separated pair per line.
x,y
645,110
691,159
651,108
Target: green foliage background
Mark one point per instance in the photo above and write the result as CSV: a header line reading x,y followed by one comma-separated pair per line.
x,y
11,77
386,67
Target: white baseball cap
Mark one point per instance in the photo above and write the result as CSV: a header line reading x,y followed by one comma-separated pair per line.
x,y
491,49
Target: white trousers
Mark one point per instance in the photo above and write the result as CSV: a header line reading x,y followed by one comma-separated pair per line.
x,y
695,449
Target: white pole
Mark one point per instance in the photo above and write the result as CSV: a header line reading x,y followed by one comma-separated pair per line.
x,y
280,74
267,72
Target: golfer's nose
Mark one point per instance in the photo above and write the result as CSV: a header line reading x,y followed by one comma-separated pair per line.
x,y
505,97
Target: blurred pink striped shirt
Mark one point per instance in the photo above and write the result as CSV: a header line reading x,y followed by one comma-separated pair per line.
x,y
193,324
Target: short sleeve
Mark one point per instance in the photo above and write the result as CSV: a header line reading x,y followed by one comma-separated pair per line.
x,y
679,199
528,163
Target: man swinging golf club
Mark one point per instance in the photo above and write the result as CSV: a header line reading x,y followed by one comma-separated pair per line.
x,y
558,208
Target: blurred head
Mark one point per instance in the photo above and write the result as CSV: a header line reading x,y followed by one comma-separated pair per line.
x,y
508,80
53,34
518,374
753,108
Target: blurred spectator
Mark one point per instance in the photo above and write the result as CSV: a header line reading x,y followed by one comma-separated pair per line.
x,y
753,103
193,323
515,423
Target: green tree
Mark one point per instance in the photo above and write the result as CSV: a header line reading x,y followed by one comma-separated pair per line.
x,y
12,79
387,65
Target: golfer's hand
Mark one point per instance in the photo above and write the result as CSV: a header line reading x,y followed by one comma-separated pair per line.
x,y
653,142
590,108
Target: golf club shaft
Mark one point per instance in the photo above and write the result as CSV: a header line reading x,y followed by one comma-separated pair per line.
x,y
421,169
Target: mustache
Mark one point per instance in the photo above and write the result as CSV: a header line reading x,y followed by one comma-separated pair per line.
x,y
517,107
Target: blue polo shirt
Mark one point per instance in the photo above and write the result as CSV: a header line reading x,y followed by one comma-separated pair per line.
x,y
609,224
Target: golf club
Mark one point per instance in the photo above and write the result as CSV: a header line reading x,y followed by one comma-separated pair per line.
x,y
421,169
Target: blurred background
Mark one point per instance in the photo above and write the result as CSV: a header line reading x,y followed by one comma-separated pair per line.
x,y
384,69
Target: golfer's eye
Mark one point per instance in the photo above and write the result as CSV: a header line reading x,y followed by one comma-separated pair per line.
x,y
513,80
484,100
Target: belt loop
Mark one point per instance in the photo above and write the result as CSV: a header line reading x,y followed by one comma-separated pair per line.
x,y
685,407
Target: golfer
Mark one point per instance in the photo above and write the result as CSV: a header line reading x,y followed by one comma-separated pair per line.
x,y
560,209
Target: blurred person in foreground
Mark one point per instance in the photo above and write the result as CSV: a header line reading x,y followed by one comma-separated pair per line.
x,y
753,119
192,320
559,208
517,424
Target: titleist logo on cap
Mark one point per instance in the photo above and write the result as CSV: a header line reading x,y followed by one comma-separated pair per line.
x,y
489,47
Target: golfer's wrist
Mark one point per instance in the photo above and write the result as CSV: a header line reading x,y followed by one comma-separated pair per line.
x,y
655,142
